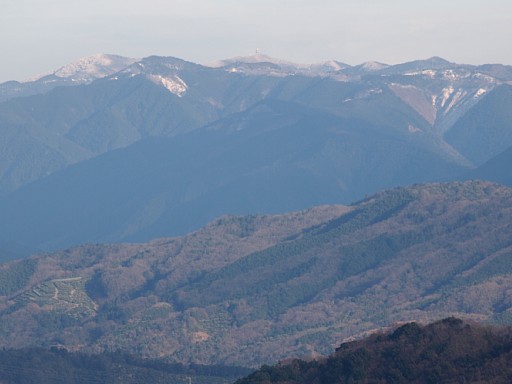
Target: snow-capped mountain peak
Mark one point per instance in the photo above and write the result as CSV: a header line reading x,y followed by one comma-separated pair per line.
x,y
371,66
257,58
90,68
329,66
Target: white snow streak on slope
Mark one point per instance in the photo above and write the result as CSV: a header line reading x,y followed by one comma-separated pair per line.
x,y
479,93
458,96
447,92
173,84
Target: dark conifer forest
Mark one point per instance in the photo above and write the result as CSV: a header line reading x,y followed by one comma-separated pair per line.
x,y
448,351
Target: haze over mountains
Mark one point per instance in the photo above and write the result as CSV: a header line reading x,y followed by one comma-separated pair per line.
x,y
115,149
251,210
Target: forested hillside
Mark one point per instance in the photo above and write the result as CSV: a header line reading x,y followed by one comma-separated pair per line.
x,y
255,289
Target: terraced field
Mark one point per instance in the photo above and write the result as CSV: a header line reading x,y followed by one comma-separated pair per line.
x,y
67,296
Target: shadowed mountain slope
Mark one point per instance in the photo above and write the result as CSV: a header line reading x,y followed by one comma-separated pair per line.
x,y
486,130
275,157
497,169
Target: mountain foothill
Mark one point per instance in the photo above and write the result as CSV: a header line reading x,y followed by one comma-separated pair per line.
x,y
248,290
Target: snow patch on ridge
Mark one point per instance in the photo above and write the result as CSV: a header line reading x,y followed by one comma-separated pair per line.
x,y
364,94
480,93
173,84
332,64
413,129
427,72
371,66
484,77
258,58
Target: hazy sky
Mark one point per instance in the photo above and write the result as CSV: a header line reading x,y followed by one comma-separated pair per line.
x,y
41,35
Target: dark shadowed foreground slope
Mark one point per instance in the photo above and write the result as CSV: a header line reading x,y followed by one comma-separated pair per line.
x,y
448,351
256,289
58,366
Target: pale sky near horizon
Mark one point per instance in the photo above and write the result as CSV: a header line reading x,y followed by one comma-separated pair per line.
x,y
38,36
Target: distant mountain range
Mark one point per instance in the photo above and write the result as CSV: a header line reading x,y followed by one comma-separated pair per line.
x,y
113,149
247,290
83,71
